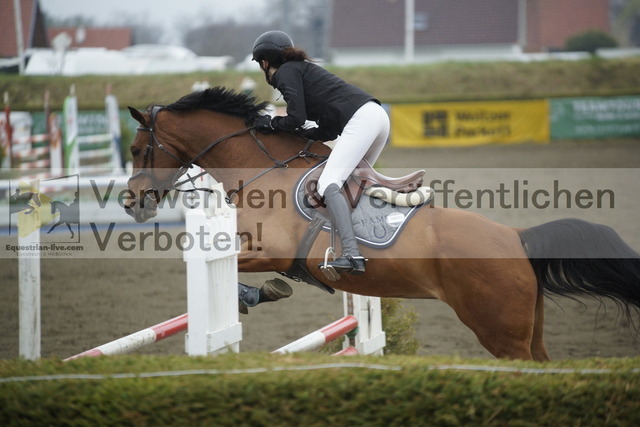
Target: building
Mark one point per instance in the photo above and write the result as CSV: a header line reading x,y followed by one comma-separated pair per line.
x,y
114,38
34,32
551,22
373,31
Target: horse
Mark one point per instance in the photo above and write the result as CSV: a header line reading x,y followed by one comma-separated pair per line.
x,y
68,215
495,277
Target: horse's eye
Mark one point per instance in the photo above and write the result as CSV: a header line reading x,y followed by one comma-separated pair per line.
x,y
135,151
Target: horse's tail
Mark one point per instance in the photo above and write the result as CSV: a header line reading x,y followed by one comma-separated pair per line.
x,y
571,257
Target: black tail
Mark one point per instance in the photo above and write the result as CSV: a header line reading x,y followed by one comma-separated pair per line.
x,y
571,257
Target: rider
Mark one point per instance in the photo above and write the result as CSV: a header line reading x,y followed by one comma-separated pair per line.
x,y
343,112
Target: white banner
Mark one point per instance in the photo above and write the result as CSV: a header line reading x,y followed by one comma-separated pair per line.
x,y
71,149
113,118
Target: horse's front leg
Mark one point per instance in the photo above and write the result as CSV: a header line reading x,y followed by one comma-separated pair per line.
x,y
253,260
272,290
54,226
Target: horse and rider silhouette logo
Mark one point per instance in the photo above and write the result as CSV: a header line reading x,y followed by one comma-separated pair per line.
x,y
35,209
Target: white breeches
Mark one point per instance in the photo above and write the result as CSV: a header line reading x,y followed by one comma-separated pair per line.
x,y
363,137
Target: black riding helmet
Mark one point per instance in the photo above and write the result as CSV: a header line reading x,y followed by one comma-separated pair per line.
x,y
270,45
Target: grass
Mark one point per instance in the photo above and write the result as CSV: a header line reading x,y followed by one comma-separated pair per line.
x,y
312,389
449,81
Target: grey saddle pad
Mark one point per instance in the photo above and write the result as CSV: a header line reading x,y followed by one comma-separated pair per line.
x,y
376,223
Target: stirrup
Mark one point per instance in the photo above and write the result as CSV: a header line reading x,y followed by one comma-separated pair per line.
x,y
329,272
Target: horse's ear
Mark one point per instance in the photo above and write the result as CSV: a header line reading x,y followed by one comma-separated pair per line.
x,y
137,115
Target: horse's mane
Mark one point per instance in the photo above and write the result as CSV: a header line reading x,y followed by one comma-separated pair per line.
x,y
221,100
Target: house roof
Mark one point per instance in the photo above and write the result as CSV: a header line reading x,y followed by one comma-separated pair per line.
x,y
380,23
115,38
33,27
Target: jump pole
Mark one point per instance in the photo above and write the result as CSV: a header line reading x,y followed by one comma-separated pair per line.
x,y
212,287
363,315
317,339
138,339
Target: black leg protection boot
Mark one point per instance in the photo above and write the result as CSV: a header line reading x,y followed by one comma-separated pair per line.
x,y
272,290
248,296
351,260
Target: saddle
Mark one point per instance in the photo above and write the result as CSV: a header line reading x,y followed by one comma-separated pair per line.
x,y
363,180
376,224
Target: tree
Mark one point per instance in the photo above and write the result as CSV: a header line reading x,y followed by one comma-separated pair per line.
x,y
223,38
626,21
590,41
305,20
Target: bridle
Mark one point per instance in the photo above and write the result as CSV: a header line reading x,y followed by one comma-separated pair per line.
x,y
148,158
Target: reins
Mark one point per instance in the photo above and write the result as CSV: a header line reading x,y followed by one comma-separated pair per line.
x,y
186,165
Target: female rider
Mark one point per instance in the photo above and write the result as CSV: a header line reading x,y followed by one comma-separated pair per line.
x,y
343,112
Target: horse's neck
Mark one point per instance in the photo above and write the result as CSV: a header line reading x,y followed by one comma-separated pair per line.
x,y
242,157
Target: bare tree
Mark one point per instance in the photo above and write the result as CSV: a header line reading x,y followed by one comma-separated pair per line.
x,y
307,25
223,38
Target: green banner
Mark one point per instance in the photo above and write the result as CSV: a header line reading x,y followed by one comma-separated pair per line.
x,y
581,118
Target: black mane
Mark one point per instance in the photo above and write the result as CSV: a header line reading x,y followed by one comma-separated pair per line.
x,y
221,100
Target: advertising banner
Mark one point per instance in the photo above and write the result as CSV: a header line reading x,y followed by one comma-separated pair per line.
x,y
595,117
469,123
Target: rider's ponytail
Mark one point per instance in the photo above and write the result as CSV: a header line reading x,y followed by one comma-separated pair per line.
x,y
294,54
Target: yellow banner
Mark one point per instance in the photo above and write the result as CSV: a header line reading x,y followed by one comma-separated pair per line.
x,y
469,123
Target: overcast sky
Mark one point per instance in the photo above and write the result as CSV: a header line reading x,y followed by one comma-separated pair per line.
x,y
166,12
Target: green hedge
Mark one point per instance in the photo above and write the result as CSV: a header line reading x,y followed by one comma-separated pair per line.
x,y
310,390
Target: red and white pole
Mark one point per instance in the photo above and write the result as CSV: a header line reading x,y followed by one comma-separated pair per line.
x,y
138,339
322,336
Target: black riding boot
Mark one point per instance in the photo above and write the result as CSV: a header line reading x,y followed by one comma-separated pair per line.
x,y
351,261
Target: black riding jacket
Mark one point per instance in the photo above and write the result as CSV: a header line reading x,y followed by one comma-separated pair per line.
x,y
312,93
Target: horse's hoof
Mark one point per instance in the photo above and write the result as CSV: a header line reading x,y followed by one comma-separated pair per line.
x,y
274,290
242,308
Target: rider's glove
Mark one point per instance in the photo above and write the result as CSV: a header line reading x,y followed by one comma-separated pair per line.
x,y
263,124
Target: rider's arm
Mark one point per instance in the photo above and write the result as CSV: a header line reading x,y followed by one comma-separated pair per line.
x,y
289,83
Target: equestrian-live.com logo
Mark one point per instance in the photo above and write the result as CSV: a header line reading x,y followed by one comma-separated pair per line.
x,y
46,205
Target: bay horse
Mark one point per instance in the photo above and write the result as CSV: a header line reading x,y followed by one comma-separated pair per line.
x,y
493,276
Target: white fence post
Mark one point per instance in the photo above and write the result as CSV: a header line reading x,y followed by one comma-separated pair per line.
x,y
370,338
212,277
29,334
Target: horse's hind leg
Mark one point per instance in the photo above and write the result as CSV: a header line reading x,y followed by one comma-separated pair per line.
x,y
70,230
497,302
538,350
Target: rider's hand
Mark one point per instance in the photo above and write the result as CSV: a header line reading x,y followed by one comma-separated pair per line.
x,y
318,134
263,124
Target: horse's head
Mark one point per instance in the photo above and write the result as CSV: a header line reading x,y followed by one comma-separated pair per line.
x,y
155,165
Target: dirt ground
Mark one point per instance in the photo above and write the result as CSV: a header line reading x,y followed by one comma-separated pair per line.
x,y
87,302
